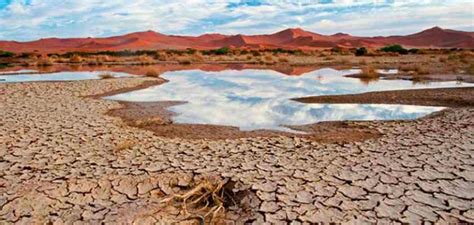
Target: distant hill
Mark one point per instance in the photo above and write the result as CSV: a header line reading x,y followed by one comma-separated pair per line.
x,y
295,38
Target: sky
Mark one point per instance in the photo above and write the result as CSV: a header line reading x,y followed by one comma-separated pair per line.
x,y
25,20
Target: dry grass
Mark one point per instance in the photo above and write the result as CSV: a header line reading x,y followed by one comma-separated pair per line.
x,y
343,61
369,72
283,60
152,73
268,58
106,76
44,61
206,201
470,69
328,58
76,59
145,60
415,68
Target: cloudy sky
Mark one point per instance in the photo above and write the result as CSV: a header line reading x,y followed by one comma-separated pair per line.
x,y
24,20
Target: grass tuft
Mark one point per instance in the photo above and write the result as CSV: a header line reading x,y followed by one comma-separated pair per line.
x,y
369,72
106,76
152,73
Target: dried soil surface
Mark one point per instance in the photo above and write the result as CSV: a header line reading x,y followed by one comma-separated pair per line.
x,y
62,159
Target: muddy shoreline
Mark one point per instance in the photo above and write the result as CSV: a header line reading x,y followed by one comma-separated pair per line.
x,y
154,116
444,97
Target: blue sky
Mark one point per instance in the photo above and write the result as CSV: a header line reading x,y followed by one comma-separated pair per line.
x,y
24,20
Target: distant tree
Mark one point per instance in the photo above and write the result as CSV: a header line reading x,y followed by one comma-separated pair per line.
x,y
221,51
190,51
5,54
413,51
361,51
395,48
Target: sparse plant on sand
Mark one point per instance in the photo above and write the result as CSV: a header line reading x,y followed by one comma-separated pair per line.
x,y
369,72
415,68
283,60
361,51
152,73
470,69
44,61
395,48
268,58
76,59
106,76
145,60
6,54
328,58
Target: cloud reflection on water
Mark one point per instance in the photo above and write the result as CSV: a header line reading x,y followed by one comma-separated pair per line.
x,y
260,99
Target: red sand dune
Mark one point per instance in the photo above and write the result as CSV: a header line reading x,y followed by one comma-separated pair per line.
x,y
289,38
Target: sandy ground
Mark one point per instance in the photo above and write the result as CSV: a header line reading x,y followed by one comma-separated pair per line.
x,y
63,160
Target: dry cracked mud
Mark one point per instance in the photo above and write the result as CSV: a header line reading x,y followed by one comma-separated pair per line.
x,y
63,161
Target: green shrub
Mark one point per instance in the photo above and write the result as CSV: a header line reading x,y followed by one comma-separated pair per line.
x,y
219,51
5,54
361,51
413,51
395,48
191,51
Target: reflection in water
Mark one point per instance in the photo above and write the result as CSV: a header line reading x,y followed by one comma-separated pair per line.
x,y
260,99
18,71
59,76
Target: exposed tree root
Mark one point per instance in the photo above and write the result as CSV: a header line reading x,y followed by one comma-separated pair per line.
x,y
206,201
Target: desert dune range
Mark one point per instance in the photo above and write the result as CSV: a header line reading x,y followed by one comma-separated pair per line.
x,y
294,38
382,137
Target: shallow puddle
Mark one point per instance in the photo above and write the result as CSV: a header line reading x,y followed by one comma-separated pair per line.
x,y
260,99
59,76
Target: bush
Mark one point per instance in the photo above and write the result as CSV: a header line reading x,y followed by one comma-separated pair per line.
x,y
361,51
191,51
413,51
44,61
255,53
152,73
369,72
470,69
106,76
394,48
415,68
76,59
219,51
5,54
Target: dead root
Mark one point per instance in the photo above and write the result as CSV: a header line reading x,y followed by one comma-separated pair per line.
x,y
206,201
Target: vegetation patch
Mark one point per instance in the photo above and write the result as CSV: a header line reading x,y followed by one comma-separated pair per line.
x,y
395,48
106,76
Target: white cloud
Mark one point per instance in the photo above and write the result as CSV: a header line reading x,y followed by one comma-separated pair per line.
x,y
26,20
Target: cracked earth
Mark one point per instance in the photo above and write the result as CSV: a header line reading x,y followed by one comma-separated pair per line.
x,y
63,161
